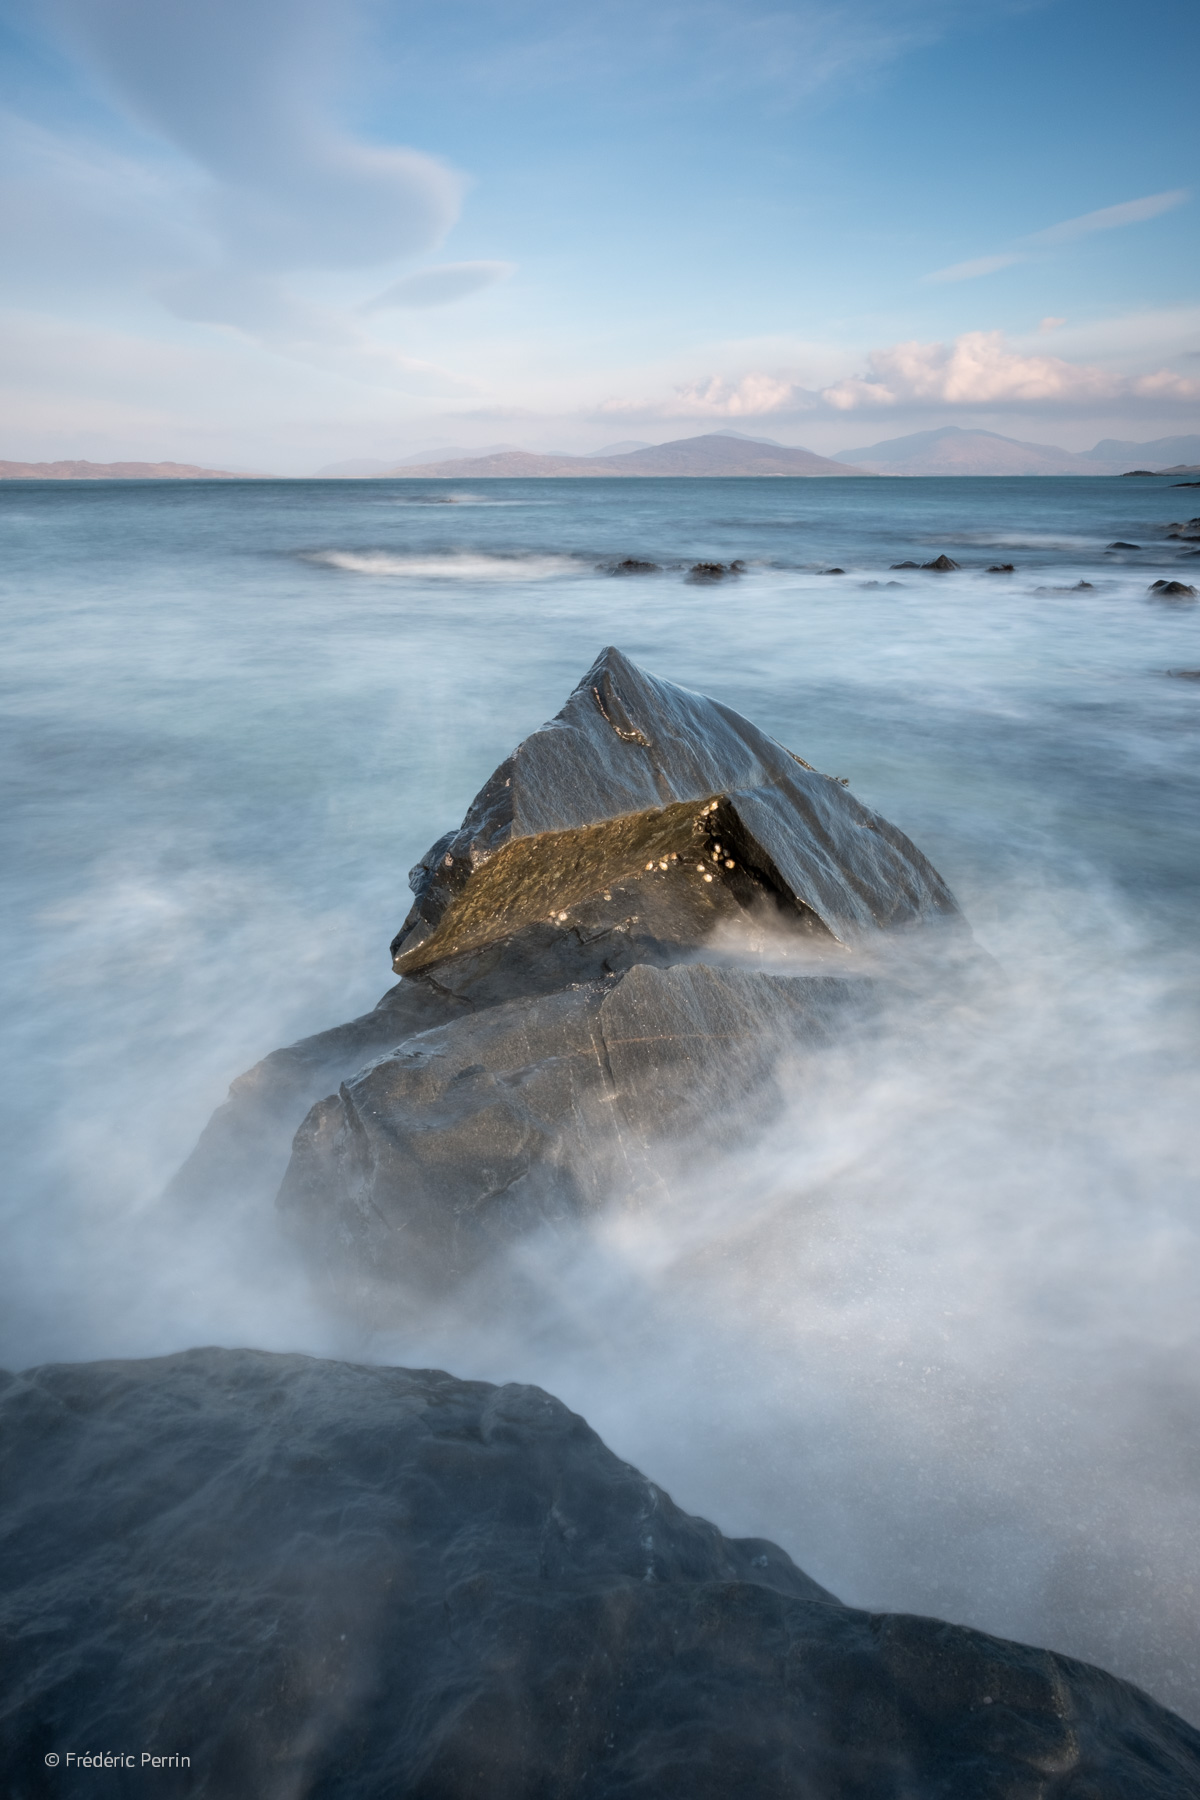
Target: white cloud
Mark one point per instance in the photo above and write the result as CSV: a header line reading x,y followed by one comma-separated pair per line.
x,y
979,369
439,286
716,397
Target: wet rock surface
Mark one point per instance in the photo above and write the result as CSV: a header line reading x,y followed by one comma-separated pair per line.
x,y
632,770
627,833
532,1112
317,1579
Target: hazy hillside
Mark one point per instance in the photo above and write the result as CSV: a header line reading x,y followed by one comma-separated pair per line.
x,y
954,450
1159,453
120,471
712,454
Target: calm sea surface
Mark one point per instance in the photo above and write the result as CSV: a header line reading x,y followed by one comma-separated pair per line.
x,y
963,1377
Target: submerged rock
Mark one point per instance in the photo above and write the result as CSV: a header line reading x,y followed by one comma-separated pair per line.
x,y
631,565
715,571
310,1578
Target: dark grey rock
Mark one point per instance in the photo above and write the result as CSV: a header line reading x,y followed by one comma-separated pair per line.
x,y
634,770
999,569
713,571
1185,674
618,838
343,1583
531,1112
1173,590
942,564
1120,544
245,1145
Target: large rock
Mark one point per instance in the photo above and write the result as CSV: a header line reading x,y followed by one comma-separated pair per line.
x,y
626,835
311,1579
533,1111
632,771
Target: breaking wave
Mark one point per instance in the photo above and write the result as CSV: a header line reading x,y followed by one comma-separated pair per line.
x,y
462,565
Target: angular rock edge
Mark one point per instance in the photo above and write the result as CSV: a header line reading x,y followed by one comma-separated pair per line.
x,y
318,1579
622,833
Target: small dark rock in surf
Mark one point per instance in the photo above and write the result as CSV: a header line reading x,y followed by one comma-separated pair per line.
x,y
1122,545
999,569
1185,674
833,571
1173,590
631,565
942,564
714,571
906,565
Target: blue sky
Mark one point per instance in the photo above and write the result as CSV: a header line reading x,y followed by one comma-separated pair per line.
x,y
273,233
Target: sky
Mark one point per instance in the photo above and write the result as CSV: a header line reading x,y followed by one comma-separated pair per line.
x,y
273,234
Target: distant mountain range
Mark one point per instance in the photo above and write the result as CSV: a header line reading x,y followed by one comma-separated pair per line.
x,y
120,471
715,453
955,451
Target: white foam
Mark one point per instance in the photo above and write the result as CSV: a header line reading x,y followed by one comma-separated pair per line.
x,y
455,566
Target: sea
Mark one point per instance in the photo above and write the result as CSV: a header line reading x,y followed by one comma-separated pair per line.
x,y
937,1332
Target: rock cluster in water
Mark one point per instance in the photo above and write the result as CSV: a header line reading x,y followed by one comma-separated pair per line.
x,y
309,1578
315,1579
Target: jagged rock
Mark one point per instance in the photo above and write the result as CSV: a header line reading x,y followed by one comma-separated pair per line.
x,y
999,569
310,1578
631,565
634,771
529,1113
942,564
622,835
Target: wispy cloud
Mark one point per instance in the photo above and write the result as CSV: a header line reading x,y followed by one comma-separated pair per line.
x,y
273,189
439,286
979,265
1108,218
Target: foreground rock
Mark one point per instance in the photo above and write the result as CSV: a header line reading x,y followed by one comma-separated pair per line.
x,y
496,1087
315,1579
470,1136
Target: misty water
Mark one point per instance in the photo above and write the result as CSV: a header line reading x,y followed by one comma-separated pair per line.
x,y
935,1333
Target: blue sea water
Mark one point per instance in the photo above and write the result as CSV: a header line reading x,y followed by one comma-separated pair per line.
x,y
938,1334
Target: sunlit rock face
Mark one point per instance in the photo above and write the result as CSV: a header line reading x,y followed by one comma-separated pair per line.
x,y
635,770
564,1016
310,1578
